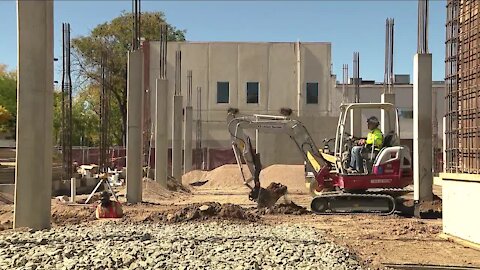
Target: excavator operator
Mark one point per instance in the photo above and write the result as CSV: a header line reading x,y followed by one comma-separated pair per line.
x,y
374,139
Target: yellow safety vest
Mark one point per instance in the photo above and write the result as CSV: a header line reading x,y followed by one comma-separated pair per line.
x,y
375,137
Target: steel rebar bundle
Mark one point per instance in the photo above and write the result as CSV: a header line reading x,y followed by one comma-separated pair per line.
x,y
136,33
422,45
345,84
163,50
356,76
388,75
104,115
66,104
178,73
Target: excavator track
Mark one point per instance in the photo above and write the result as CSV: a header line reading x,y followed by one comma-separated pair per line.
x,y
349,203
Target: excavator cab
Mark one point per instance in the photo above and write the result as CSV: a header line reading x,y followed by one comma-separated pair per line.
x,y
352,127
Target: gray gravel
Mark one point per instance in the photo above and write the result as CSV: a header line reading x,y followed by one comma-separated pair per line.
x,y
215,245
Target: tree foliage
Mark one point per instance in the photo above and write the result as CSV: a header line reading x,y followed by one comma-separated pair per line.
x,y
8,101
112,40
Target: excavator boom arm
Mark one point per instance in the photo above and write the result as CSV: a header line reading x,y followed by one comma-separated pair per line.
x,y
242,146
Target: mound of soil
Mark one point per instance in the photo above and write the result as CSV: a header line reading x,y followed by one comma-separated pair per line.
x,y
284,209
206,211
63,214
292,176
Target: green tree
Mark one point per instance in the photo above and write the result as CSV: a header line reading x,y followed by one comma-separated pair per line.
x,y
8,100
113,40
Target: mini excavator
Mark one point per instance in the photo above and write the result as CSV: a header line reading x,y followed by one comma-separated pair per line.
x,y
387,172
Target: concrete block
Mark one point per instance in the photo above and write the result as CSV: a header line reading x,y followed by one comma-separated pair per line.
x,y
460,207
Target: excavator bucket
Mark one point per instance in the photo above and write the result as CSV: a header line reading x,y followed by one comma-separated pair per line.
x,y
267,197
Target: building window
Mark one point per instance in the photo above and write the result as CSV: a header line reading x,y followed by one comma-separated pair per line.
x,y
223,92
312,93
405,113
252,92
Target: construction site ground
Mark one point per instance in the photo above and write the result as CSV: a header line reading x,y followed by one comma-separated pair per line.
x,y
376,240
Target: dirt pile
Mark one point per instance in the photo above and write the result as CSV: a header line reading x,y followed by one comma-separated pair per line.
x,y
289,208
204,211
229,177
63,214
292,176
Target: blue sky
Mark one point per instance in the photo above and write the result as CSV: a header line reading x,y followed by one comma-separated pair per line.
x,y
348,25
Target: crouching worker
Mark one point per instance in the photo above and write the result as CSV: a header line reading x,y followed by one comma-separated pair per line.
x,y
108,208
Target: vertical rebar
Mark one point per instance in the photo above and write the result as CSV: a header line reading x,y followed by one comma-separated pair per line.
x,y
136,16
189,88
178,73
345,83
356,76
452,68
104,113
389,41
163,50
66,104
422,34
198,135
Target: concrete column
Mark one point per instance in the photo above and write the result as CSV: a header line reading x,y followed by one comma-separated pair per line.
x,y
422,127
33,175
356,123
388,120
187,141
177,138
161,138
300,99
134,127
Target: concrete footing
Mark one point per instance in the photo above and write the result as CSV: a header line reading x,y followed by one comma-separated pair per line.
x,y
33,174
134,127
422,128
161,138
460,202
177,138
187,141
73,189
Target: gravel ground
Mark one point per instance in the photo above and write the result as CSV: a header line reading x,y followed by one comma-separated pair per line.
x,y
212,245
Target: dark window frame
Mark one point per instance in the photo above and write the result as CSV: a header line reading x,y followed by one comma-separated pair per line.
x,y
220,96
254,101
309,98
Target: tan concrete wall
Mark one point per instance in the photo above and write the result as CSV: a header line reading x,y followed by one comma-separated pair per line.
x,y
460,207
273,65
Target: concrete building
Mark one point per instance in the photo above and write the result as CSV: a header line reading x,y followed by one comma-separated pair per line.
x,y
254,78
262,78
